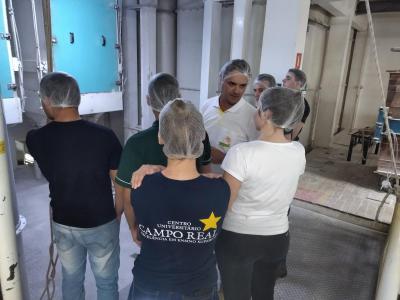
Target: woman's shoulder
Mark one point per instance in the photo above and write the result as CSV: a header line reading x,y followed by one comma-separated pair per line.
x,y
214,182
151,180
298,146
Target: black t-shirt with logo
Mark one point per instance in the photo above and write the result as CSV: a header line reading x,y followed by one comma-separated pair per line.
x,y
76,158
178,224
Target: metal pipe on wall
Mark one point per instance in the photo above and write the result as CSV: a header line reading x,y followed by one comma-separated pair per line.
x,y
130,68
166,37
148,55
10,276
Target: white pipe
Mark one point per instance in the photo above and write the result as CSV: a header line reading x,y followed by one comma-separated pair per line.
x,y
389,273
240,29
39,65
211,46
130,68
10,277
148,55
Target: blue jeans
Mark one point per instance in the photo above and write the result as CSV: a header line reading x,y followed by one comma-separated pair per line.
x,y
101,244
138,293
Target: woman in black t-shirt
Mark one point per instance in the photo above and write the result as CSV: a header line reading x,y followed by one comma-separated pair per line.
x,y
178,214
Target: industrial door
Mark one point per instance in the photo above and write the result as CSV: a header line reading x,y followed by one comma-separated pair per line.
x,y
84,43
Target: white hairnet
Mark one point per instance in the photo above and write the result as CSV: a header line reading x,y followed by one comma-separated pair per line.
x,y
182,130
61,89
286,106
163,88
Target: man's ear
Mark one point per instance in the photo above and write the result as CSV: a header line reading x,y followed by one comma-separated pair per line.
x,y
266,115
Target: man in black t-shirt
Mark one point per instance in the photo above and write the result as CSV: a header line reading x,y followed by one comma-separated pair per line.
x,y
79,159
296,79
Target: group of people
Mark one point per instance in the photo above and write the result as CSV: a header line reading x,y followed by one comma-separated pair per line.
x,y
188,222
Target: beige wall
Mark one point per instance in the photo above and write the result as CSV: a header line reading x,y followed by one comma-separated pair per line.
x,y
387,31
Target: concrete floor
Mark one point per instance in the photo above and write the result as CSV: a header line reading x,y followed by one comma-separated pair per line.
x,y
328,258
350,187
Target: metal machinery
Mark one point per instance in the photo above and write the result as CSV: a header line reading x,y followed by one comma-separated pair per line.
x,y
86,44
82,38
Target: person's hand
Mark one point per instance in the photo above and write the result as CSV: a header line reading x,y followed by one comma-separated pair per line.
x,y
136,236
138,175
212,175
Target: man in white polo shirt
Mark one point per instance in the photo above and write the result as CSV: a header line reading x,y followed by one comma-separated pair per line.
x,y
228,117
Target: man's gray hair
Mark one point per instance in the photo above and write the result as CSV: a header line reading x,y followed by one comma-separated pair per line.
x,y
266,77
61,89
182,130
163,88
299,75
235,65
286,106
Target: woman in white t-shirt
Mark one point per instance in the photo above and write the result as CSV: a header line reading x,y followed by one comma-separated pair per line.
x,y
263,177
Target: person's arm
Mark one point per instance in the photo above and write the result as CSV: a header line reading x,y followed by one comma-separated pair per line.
x,y
205,169
217,156
205,158
138,175
119,204
296,130
113,162
130,216
234,185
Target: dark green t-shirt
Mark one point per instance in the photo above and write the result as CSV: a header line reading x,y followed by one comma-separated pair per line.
x,y
143,148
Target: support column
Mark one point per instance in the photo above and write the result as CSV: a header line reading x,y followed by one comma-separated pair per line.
x,y
334,76
284,36
130,68
240,28
148,43
10,276
166,36
210,49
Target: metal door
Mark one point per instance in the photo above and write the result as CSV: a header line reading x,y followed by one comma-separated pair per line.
x,y
84,42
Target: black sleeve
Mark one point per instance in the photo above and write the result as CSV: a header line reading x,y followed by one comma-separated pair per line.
x,y
306,111
30,143
205,158
115,153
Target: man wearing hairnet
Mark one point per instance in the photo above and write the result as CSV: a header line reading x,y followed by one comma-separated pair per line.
x,y
143,148
296,79
79,159
228,117
262,82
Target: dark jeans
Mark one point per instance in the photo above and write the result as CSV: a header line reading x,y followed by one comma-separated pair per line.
x,y
138,293
249,264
